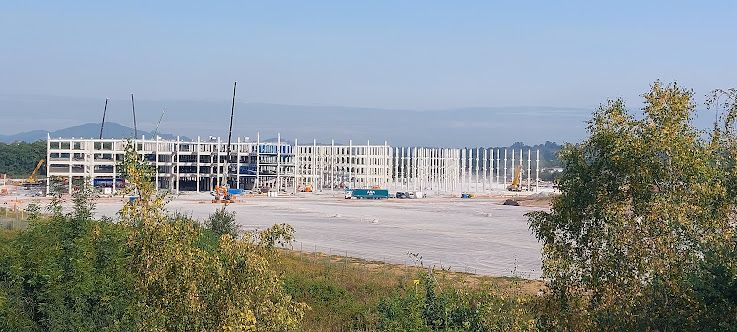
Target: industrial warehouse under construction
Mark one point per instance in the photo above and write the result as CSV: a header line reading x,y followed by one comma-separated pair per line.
x,y
200,165
281,167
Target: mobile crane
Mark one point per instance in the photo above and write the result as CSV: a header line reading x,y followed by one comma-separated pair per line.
x,y
32,178
516,180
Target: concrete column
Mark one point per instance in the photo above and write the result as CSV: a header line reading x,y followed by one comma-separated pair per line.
x,y
278,162
528,169
403,170
483,180
470,168
48,161
366,163
498,168
321,166
478,168
257,182
504,183
520,163
296,155
175,185
197,155
513,164
350,164
463,169
156,163
387,164
537,171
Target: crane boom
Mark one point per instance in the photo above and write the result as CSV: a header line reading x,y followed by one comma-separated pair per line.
x,y
156,131
32,177
230,133
104,111
135,127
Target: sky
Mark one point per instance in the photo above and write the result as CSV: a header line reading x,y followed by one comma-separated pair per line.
x,y
413,55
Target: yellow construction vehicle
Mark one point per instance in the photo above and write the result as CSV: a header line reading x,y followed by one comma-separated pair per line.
x,y
32,178
517,180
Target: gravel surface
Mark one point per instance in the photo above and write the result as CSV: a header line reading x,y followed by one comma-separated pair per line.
x,y
472,235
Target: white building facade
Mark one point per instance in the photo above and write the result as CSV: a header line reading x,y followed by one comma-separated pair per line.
x,y
199,165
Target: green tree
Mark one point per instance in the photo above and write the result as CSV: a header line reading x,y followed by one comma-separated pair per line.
x,y
19,159
186,286
147,272
222,222
66,272
643,235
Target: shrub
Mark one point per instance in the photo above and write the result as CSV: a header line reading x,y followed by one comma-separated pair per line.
x,y
148,272
428,308
222,222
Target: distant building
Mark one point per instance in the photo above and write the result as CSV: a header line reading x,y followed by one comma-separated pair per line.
x,y
199,165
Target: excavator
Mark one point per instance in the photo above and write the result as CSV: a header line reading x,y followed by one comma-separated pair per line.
x,y
222,195
517,180
32,178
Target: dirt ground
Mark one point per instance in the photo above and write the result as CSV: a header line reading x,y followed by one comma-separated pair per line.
x,y
479,235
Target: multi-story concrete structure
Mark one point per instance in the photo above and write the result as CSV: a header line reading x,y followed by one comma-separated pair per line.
x,y
199,165
343,166
180,165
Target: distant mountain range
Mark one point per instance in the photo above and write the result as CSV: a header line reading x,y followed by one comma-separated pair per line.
x,y
458,127
87,130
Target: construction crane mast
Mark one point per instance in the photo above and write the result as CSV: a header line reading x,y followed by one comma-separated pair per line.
x,y
221,192
104,111
135,127
156,131
230,134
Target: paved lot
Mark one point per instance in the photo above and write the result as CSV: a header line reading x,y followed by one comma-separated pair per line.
x,y
475,235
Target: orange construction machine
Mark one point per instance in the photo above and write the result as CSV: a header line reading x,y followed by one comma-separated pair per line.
x,y
222,195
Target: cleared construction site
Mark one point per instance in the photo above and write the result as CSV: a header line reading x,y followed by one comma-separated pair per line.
x,y
284,168
444,203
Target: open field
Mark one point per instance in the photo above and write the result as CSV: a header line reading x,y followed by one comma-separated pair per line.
x,y
468,235
344,293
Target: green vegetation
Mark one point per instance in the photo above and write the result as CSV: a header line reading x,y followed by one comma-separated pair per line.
x,y
643,236
222,222
19,159
347,294
150,271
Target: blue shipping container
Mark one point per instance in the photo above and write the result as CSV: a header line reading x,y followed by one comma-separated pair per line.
x,y
235,191
369,193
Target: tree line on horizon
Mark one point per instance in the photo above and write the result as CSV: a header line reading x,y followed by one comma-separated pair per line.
x,y
18,160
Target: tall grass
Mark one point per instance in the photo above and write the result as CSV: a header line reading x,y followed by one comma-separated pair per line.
x,y
350,294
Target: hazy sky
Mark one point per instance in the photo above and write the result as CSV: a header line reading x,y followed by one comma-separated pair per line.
x,y
387,54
